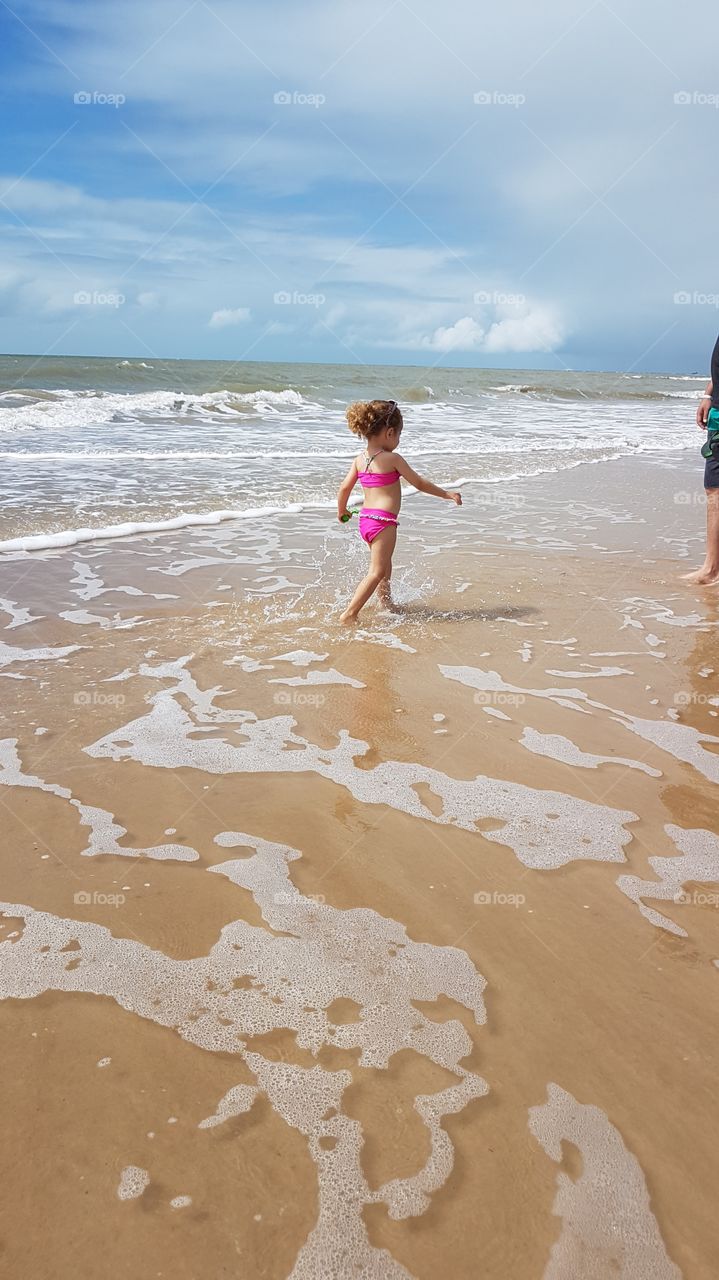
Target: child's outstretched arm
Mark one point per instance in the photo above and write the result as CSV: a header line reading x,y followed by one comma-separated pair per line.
x,y
345,489
424,486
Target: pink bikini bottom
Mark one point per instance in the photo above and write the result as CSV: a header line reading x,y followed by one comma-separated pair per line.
x,y
372,522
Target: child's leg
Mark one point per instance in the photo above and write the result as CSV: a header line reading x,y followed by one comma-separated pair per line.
x,y
384,592
380,568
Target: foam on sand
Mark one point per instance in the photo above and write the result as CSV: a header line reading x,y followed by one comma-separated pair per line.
x,y
586,675
660,611
83,618
91,586
331,676
9,654
311,955
239,1099
492,682
19,615
300,657
679,740
386,638
247,664
608,1228
698,862
544,828
556,747
133,1182
104,831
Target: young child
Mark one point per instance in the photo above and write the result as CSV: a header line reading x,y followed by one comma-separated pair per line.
x,y
378,469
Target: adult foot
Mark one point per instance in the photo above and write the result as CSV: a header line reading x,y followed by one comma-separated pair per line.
x,y
708,576
347,618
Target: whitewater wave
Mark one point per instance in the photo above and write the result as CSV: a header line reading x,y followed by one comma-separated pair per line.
x,y
71,537
417,395
61,409
540,392
58,408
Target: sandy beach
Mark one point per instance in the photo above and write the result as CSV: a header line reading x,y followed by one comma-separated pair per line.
x,y
386,953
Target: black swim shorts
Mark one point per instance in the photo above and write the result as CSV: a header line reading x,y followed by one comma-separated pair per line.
x,y
711,471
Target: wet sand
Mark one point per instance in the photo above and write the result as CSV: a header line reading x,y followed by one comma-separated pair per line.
x,y
392,884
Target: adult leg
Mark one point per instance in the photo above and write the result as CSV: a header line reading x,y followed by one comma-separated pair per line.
x,y
380,569
708,575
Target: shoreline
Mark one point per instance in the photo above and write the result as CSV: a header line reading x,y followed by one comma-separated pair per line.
x,y
690,479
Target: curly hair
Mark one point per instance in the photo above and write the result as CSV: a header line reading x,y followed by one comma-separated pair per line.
x,y
367,419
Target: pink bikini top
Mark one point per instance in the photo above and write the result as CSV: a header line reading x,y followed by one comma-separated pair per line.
x,y
373,479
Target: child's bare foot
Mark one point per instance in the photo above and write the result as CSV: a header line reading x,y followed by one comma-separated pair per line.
x,y
347,618
705,577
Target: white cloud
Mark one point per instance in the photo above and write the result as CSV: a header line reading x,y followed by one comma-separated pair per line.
x,y
537,330
463,335
220,319
533,329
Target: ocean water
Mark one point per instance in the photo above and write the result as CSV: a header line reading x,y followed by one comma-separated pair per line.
x,y
90,446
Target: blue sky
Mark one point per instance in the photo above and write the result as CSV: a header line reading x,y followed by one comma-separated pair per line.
x,y
391,182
